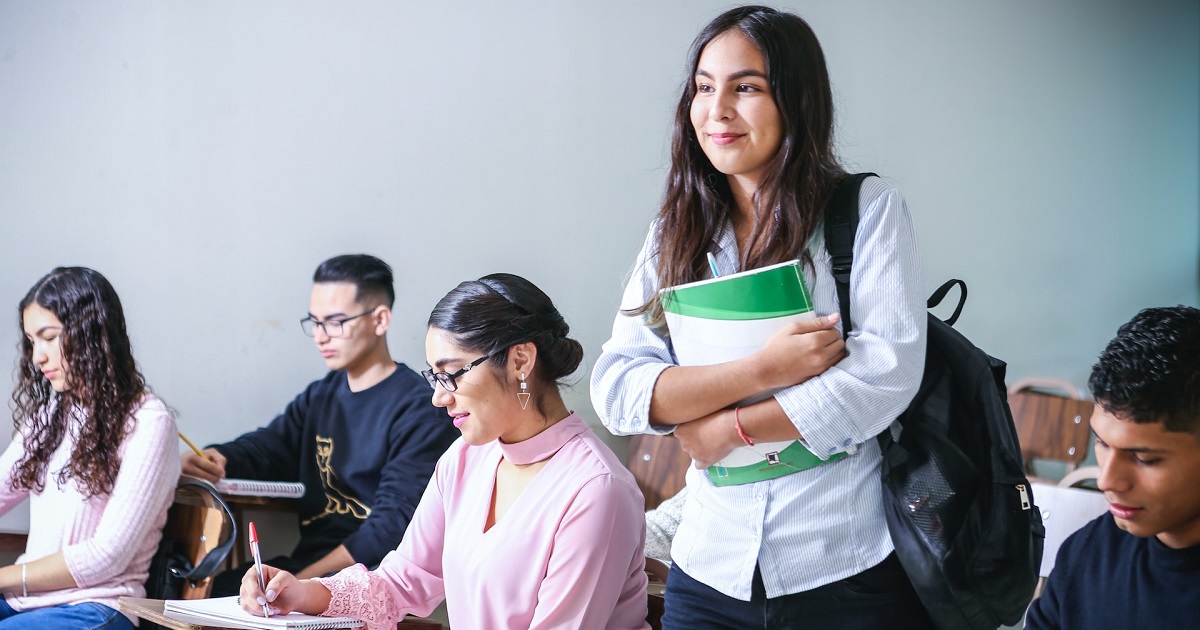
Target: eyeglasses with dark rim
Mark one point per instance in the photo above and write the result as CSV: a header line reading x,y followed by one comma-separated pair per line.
x,y
332,328
447,379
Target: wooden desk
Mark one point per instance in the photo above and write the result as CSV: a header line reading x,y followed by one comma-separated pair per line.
x,y
152,610
13,541
14,528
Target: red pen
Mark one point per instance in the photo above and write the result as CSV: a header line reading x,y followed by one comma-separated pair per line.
x,y
262,586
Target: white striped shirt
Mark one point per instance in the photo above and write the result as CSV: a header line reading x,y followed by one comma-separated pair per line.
x,y
819,525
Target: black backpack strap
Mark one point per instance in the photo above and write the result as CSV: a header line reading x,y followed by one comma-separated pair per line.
x,y
940,295
841,224
211,562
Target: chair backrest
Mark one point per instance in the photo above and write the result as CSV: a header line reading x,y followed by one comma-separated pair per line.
x,y
659,466
202,528
1064,510
1050,426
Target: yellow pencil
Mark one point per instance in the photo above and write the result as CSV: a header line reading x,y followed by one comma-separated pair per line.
x,y
189,443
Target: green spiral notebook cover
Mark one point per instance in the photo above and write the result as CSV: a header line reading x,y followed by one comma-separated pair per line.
x,y
729,317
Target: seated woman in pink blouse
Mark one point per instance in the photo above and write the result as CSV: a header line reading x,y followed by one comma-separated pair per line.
x,y
94,452
530,521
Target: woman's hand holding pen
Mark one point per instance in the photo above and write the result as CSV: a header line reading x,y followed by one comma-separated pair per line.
x,y
284,593
210,468
799,352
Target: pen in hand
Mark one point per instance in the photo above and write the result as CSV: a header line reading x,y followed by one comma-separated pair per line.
x,y
262,585
194,447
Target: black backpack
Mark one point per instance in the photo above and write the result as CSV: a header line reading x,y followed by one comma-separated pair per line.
x,y
171,567
959,507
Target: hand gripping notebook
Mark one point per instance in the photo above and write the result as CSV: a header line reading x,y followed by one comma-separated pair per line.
x,y
224,612
726,318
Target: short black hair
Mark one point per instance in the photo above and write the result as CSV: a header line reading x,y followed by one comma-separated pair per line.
x,y
371,277
1151,371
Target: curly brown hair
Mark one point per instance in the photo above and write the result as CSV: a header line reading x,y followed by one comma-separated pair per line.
x,y
103,384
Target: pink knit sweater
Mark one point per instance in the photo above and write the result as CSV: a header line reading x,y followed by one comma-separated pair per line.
x,y
109,540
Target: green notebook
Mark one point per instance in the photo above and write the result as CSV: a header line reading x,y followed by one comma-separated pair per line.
x,y
727,318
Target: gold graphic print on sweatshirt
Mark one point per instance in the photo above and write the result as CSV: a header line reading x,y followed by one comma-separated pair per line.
x,y
337,499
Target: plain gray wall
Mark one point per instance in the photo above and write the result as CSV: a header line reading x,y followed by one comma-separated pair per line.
x,y
206,156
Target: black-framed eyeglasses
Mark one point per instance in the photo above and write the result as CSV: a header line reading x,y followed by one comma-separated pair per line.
x,y
447,380
332,328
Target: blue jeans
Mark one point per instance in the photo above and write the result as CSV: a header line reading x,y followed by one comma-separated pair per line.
x,y
85,616
880,597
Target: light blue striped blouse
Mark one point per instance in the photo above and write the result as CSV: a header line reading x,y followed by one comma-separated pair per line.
x,y
826,523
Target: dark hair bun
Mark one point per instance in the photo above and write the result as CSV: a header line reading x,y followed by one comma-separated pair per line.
x,y
501,310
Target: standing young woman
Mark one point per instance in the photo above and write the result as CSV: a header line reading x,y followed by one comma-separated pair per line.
x,y
529,521
94,452
752,169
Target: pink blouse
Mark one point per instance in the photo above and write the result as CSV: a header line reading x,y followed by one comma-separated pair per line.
x,y
567,554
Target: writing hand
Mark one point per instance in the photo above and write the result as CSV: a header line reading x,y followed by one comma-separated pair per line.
x,y
209,470
253,598
285,593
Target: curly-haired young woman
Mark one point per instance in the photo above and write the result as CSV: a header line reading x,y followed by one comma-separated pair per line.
x,y
94,452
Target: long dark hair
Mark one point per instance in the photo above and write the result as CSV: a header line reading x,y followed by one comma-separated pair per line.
x,y
496,312
800,178
104,385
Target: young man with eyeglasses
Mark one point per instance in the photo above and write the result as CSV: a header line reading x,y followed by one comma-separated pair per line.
x,y
364,439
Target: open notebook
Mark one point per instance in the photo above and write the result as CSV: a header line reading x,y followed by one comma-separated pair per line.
x,y
225,612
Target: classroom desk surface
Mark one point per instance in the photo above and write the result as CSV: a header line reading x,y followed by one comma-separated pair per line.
x,y
152,610
14,528
13,541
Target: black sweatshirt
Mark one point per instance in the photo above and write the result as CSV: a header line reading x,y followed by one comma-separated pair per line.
x,y
364,457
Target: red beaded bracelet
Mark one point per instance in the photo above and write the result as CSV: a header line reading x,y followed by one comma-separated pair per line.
x,y
737,422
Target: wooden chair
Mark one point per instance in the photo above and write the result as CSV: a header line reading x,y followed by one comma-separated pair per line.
x,y
658,465
205,528
1050,426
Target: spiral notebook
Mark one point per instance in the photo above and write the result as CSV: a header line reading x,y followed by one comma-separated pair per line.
x,y
726,318
254,488
224,612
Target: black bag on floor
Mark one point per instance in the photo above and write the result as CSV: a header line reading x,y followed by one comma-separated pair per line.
x,y
959,506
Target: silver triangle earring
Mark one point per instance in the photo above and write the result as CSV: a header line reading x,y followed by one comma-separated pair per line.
x,y
523,395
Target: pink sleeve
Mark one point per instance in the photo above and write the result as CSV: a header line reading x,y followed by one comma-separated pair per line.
x,y
356,592
9,498
137,506
408,580
596,546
